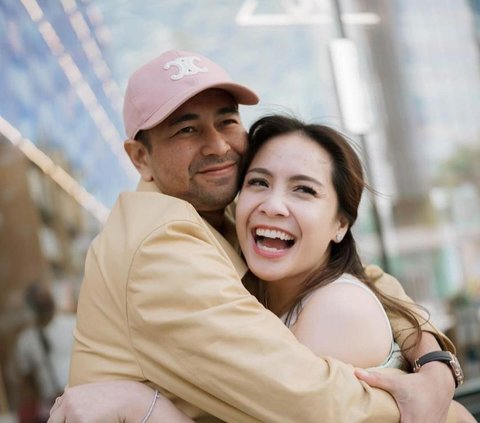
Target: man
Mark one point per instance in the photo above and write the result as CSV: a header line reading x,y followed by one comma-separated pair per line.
x,y
162,299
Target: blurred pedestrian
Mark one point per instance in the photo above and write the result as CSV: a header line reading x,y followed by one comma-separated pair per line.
x,y
38,383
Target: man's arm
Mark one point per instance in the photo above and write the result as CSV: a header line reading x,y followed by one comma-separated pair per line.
x,y
402,329
433,404
198,333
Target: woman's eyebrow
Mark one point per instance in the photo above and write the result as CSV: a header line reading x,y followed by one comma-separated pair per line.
x,y
260,170
301,177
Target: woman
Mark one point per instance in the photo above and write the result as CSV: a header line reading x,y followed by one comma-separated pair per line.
x,y
301,190
299,197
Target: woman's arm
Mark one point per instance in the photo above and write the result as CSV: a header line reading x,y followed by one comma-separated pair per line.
x,y
342,321
121,401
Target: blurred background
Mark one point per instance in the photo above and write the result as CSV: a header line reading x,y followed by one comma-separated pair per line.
x,y
401,78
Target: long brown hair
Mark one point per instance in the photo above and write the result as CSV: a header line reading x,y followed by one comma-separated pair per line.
x,y
349,183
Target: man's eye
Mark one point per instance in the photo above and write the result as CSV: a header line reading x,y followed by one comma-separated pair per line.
x,y
186,130
231,121
306,189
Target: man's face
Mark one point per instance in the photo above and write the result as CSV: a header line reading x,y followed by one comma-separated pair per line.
x,y
195,152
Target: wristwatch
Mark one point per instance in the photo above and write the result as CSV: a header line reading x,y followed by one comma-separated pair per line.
x,y
446,357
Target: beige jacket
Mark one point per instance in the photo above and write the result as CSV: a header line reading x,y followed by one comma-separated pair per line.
x,y
162,302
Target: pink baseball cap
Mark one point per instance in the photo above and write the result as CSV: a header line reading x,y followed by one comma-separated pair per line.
x,y
161,86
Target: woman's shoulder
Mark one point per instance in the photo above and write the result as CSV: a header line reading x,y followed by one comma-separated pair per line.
x,y
338,318
346,290
348,297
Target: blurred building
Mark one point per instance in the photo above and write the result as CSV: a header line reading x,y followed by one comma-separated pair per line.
x,y
60,123
423,62
61,94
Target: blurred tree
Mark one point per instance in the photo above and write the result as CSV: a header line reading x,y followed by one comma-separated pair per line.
x,y
461,167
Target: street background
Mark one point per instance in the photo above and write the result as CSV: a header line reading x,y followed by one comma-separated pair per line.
x,y
400,78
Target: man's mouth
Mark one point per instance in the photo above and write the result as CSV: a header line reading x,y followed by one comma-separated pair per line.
x,y
218,168
272,240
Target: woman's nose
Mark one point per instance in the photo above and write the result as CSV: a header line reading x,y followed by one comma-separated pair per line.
x,y
274,205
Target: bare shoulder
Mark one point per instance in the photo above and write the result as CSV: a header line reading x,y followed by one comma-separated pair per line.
x,y
348,304
345,321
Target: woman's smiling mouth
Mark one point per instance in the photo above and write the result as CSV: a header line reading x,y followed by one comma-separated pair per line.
x,y
272,240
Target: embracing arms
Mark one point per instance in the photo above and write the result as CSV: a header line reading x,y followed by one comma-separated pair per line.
x,y
204,338
196,332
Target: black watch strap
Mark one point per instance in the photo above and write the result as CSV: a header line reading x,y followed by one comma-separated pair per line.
x,y
446,357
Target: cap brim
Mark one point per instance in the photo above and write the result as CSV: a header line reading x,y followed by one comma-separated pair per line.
x,y
240,93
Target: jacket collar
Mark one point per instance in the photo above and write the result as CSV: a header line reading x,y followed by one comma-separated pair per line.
x,y
232,251
144,186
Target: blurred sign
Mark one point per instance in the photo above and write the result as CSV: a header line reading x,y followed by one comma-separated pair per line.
x,y
351,89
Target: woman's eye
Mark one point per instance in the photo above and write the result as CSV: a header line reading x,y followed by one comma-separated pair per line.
x,y
257,182
306,189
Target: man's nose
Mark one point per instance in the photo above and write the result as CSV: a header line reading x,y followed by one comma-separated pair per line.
x,y
214,143
274,205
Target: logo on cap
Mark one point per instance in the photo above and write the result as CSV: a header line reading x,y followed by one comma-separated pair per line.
x,y
185,67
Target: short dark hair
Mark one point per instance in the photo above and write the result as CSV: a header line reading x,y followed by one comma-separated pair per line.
x,y
144,138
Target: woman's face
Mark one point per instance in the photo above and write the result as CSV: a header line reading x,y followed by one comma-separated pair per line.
x,y
287,209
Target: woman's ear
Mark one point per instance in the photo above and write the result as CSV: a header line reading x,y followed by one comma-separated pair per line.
x,y
140,158
342,229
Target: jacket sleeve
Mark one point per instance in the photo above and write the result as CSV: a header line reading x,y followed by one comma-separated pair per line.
x,y
198,333
402,329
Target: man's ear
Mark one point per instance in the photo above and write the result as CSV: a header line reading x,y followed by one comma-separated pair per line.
x,y
140,158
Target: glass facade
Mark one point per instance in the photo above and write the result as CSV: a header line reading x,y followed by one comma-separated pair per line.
x,y
53,96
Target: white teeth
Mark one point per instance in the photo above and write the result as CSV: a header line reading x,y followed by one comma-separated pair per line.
x,y
269,249
272,233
